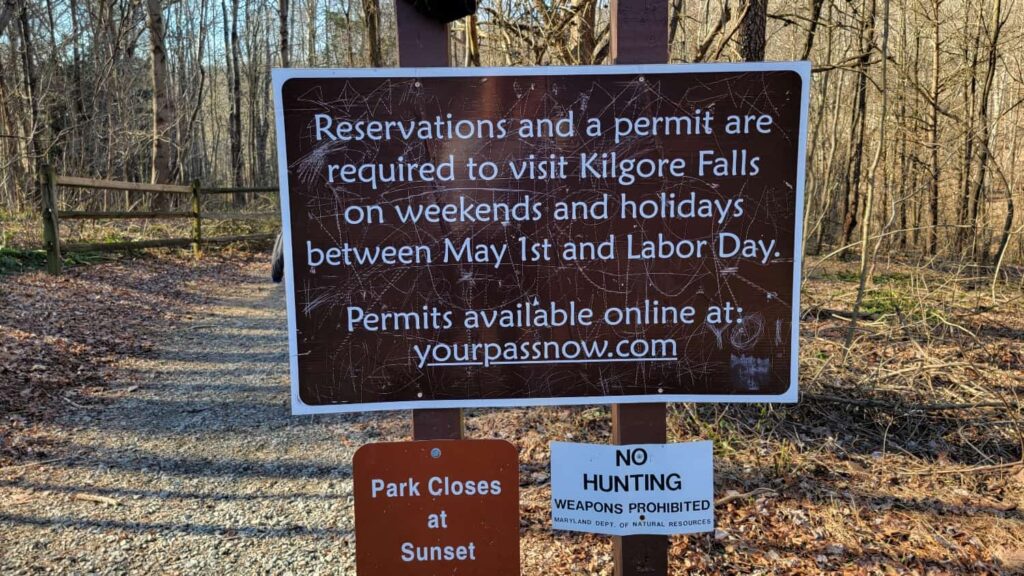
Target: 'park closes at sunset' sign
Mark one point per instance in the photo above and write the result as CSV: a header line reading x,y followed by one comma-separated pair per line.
x,y
444,507
498,237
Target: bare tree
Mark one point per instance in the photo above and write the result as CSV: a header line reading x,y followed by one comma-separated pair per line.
x,y
71,74
235,89
6,13
933,204
371,19
984,122
752,29
584,31
282,13
32,89
163,162
472,42
865,47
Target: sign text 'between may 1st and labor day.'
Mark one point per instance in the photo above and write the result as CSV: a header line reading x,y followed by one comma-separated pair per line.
x,y
499,237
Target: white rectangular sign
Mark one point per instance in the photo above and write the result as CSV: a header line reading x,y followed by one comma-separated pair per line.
x,y
632,489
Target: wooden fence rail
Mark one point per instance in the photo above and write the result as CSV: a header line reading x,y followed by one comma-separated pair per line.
x,y
52,216
239,190
85,215
76,182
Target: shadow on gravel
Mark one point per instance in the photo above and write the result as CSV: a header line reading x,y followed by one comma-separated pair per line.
x,y
204,419
153,463
164,528
163,495
199,354
227,388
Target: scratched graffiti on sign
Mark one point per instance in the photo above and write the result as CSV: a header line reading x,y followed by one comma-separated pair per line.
x,y
498,237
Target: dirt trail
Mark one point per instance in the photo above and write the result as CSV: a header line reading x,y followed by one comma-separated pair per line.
x,y
209,470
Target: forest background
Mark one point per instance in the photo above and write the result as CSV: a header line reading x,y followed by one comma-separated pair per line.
x,y
915,121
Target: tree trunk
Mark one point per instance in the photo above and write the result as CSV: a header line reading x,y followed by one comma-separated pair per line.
x,y
6,14
933,205
906,180
984,123
472,41
311,14
970,90
866,45
815,16
371,19
283,19
585,41
10,149
1004,239
752,30
162,161
76,60
866,253
675,22
235,118
28,60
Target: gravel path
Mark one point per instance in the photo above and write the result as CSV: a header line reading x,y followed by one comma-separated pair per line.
x,y
209,471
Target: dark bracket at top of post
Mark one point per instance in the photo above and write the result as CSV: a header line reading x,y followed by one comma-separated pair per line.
x,y
639,31
423,42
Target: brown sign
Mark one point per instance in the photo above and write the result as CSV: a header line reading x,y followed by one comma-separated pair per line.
x,y
490,237
437,508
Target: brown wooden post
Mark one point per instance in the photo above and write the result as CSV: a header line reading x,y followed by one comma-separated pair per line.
x,y
423,42
197,221
639,424
639,35
51,219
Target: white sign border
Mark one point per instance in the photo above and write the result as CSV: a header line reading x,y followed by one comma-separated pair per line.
x,y
610,449
282,75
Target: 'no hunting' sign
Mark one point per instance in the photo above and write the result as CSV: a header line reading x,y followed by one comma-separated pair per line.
x,y
632,489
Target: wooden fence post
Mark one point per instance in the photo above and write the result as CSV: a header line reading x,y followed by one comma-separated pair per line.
x,y
51,219
197,221
639,35
423,42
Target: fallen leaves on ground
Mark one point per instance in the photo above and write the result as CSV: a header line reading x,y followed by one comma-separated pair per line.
x,y
901,458
62,336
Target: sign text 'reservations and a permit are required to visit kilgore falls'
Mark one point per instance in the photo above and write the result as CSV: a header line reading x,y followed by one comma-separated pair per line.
x,y
500,237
